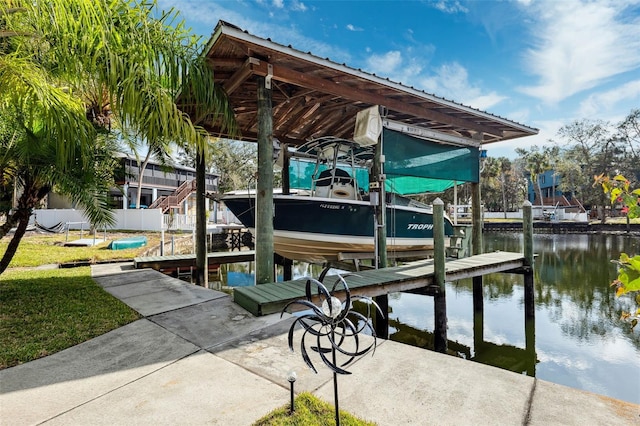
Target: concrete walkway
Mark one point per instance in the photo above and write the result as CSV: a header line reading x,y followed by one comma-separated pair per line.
x,y
197,358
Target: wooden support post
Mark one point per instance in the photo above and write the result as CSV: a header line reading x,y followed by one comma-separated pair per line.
x,y
477,248
476,204
476,218
264,193
439,299
287,264
527,227
286,179
202,271
381,210
382,321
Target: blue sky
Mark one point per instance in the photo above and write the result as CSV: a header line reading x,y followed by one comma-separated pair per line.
x,y
541,63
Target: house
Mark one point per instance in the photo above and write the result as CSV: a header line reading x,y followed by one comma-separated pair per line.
x,y
551,194
172,189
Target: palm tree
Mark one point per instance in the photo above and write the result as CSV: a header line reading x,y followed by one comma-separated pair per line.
x,y
536,163
140,58
29,161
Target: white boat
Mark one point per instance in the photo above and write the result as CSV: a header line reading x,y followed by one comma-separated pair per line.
x,y
335,219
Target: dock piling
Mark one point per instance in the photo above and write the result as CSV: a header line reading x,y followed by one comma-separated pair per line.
x,y
527,227
439,299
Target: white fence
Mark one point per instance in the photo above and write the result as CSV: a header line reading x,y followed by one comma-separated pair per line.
x,y
179,222
544,212
129,219
500,215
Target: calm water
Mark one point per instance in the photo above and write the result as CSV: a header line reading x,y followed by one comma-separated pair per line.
x,y
577,340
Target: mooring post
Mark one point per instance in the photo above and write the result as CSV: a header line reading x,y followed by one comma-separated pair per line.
x,y
529,295
476,214
527,227
439,299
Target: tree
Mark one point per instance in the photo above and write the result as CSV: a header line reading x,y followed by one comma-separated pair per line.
x,y
234,162
158,150
594,147
628,281
502,187
490,183
552,153
139,58
28,159
628,138
590,145
536,162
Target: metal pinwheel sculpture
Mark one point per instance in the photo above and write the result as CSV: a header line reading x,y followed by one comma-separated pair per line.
x,y
332,326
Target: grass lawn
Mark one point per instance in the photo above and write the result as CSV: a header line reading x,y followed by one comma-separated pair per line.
x,y
46,311
309,410
41,249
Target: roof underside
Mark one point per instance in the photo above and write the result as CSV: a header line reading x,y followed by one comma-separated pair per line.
x,y
314,97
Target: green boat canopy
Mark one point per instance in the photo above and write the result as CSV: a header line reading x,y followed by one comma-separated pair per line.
x,y
412,166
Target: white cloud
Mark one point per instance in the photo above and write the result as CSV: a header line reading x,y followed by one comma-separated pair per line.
x,y
351,27
449,81
579,45
207,14
298,6
484,102
450,6
386,64
278,3
596,104
547,130
452,81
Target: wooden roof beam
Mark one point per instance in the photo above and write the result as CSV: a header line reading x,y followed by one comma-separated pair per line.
x,y
240,76
294,77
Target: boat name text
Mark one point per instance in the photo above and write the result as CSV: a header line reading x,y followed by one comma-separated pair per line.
x,y
427,226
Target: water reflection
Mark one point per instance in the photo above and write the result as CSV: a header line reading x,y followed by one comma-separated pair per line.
x,y
577,339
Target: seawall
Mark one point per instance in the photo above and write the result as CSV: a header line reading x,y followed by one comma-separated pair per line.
x,y
565,228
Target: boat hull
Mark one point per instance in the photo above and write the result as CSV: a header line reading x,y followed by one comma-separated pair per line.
x,y
323,229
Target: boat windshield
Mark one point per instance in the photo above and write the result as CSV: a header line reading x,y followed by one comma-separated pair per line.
x,y
331,167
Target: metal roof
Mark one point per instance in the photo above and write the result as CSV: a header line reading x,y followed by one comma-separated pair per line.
x,y
314,97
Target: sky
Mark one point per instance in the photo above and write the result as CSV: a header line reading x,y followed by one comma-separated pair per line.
x,y
542,63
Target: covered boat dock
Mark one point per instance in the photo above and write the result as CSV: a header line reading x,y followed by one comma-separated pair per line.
x,y
280,93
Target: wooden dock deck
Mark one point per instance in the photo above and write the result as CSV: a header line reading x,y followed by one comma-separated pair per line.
x,y
270,298
165,263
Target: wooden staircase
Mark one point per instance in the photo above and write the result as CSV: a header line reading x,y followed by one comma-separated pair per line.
x,y
166,202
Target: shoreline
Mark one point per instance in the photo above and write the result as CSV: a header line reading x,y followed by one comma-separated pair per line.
x,y
541,227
